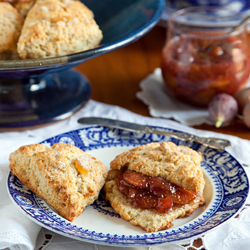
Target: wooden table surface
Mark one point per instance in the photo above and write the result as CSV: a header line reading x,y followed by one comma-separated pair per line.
x,y
115,77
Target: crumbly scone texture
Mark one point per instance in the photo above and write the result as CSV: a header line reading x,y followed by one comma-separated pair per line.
x,y
56,28
11,23
51,173
177,164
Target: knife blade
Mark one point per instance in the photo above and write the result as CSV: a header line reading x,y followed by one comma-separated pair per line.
x,y
212,142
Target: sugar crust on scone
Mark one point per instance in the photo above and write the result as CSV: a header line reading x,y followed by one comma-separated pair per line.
x,y
177,164
52,175
56,28
11,23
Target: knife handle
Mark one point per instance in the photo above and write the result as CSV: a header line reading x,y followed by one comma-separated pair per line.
x,y
211,142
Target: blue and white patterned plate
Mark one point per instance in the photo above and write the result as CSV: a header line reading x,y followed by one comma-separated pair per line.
x,y
225,194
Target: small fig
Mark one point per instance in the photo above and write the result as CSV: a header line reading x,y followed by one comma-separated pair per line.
x,y
222,109
246,114
242,97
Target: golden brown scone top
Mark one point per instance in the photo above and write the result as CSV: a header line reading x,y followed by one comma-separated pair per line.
x,y
177,164
52,174
56,28
10,29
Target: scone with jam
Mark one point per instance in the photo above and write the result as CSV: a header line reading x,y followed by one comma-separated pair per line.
x,y
63,175
153,184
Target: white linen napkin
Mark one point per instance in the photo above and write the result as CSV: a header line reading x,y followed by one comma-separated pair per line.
x,y
19,232
16,231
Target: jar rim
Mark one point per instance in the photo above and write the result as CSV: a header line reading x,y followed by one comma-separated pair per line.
x,y
218,19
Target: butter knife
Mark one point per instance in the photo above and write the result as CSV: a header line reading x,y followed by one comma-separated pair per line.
x,y
212,142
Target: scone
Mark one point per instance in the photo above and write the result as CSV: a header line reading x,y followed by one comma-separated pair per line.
x,y
23,6
56,28
63,175
153,184
11,23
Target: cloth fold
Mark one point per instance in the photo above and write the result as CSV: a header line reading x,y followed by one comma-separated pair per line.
x,y
154,94
19,232
16,231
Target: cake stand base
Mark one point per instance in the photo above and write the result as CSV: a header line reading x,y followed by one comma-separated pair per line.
x,y
38,101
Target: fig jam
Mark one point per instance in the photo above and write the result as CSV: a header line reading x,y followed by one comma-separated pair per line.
x,y
195,77
152,192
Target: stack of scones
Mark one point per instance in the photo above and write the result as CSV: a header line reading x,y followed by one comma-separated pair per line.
x,y
32,29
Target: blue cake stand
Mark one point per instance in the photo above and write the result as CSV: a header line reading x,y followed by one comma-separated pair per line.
x,y
36,92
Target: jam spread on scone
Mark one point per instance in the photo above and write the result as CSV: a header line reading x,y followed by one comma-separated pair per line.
x,y
153,184
152,192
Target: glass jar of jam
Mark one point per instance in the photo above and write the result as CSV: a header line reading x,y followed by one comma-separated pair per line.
x,y
192,71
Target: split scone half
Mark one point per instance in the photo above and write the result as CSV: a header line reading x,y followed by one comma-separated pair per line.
x,y
63,175
57,28
153,184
